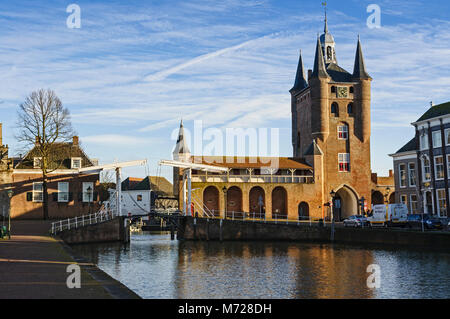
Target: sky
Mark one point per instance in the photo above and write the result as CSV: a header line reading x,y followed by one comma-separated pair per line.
x,y
134,69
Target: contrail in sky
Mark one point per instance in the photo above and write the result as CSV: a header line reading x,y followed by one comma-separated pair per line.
x,y
161,75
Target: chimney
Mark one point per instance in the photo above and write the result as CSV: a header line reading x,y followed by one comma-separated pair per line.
x,y
1,134
309,74
391,173
75,141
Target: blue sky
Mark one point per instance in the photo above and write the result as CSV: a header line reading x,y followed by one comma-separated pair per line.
x,y
135,68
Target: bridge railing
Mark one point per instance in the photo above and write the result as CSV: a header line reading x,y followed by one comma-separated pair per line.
x,y
257,217
81,221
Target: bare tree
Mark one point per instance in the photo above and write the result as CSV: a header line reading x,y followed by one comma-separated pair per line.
x,y
44,124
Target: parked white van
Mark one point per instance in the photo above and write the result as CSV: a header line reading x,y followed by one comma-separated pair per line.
x,y
392,215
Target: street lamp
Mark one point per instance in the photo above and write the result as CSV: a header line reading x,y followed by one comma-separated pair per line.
x,y
333,195
10,195
388,190
225,190
89,191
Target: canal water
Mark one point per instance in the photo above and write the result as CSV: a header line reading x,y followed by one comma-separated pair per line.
x,y
153,266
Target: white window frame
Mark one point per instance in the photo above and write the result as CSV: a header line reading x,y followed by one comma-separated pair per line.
x,y
411,201
86,197
342,128
37,162
72,160
38,192
447,136
437,139
401,174
448,166
404,199
424,169
439,199
412,173
436,168
63,192
423,141
344,158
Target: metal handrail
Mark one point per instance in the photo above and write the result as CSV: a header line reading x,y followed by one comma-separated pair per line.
x,y
81,221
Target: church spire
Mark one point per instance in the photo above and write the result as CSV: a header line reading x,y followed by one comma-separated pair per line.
x,y
359,71
300,79
181,151
325,30
320,70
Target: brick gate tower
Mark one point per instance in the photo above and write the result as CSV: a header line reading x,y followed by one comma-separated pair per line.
x,y
331,113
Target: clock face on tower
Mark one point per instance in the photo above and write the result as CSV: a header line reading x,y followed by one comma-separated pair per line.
x,y
342,92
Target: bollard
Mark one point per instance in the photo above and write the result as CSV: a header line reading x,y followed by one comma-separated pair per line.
x,y
172,232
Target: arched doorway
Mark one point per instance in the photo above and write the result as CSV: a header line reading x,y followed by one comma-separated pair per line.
x,y
377,198
234,200
345,204
303,211
279,203
392,198
211,200
257,202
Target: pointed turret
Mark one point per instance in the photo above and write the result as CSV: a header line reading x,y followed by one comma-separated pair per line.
x,y
300,79
359,71
320,70
181,151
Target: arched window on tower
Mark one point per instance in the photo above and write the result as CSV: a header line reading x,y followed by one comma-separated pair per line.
x,y
335,109
333,89
350,108
352,89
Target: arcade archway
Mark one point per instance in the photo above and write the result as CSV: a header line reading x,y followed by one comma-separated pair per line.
x,y
377,198
303,211
234,200
345,204
279,203
211,200
257,202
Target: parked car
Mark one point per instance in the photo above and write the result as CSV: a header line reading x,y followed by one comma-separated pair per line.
x,y
415,221
356,221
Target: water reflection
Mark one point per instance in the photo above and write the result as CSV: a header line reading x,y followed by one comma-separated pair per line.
x,y
155,267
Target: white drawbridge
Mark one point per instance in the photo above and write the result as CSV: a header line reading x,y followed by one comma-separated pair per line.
x,y
105,213
187,186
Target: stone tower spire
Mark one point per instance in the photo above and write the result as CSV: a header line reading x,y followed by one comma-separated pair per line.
x,y
328,44
320,70
300,79
359,71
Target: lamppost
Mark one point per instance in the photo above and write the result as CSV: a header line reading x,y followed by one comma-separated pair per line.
x,y
10,195
89,191
225,190
333,195
386,201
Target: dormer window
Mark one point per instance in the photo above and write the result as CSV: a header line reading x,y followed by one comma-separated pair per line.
x,y
37,162
76,162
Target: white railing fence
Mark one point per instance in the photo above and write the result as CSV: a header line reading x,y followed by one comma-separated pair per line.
x,y
81,221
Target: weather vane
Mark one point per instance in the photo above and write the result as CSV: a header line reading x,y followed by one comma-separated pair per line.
x,y
325,6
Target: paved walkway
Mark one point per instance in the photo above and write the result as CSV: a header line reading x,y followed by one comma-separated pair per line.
x,y
33,266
